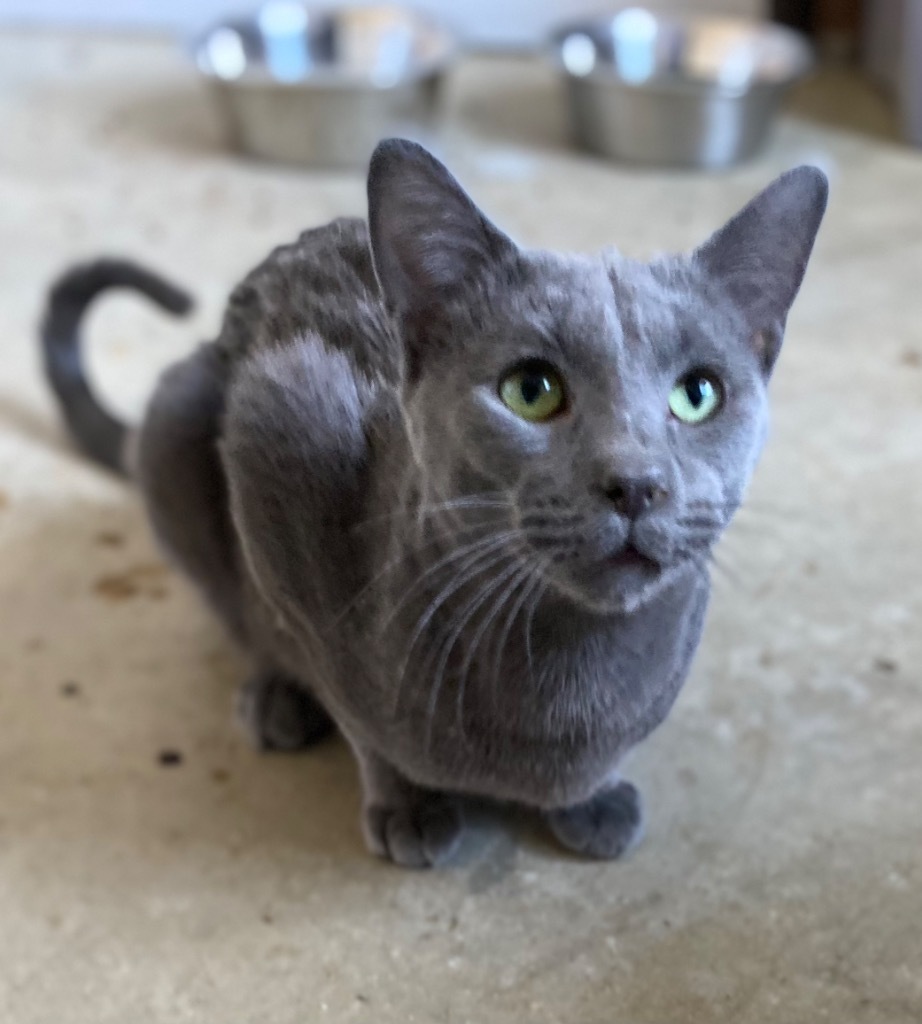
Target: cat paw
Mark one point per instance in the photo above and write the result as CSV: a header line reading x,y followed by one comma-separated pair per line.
x,y
423,834
604,827
277,713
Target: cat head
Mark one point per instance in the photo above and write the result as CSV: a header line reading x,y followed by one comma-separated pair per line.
x,y
603,415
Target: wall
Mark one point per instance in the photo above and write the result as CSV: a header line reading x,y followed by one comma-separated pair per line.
x,y
490,22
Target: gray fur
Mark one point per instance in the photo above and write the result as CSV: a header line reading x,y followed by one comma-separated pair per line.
x,y
483,605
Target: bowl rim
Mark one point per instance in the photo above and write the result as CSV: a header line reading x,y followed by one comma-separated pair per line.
x,y
604,73
258,76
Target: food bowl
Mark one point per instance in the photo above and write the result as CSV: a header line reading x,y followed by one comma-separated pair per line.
x,y
674,90
319,86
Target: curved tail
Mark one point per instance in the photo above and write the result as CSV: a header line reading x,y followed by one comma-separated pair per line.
x,y
97,432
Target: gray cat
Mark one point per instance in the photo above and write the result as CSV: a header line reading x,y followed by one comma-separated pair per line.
x,y
456,496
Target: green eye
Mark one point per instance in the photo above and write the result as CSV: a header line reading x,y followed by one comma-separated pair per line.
x,y
533,391
696,397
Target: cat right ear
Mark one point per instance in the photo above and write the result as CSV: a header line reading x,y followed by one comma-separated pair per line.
x,y
428,238
761,255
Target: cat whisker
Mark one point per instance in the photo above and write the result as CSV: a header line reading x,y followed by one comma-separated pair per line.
x,y
706,505
513,577
532,582
705,558
399,560
757,511
742,526
698,538
697,556
490,558
531,520
728,574
702,522
461,620
533,606
479,547
764,506
486,500
518,579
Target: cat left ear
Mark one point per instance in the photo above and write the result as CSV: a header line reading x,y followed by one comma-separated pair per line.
x,y
761,255
428,238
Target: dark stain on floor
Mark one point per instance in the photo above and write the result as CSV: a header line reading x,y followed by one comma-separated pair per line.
x,y
109,539
137,581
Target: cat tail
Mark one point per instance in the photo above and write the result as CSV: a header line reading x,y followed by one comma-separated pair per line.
x,y
98,433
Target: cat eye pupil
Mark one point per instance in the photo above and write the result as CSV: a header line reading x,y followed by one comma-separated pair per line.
x,y
533,387
698,389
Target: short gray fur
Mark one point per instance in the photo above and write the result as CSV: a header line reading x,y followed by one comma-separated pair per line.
x,y
402,554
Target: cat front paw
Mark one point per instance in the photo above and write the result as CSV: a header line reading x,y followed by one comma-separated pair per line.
x,y
277,713
605,827
425,833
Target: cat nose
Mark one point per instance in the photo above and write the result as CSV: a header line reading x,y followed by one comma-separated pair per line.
x,y
632,496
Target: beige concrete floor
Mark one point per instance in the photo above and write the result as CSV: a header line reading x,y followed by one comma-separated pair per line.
x,y
781,878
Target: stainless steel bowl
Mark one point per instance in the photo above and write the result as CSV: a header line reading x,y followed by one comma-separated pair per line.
x,y
321,86
687,91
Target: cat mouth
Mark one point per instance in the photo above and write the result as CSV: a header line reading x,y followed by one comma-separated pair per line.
x,y
629,557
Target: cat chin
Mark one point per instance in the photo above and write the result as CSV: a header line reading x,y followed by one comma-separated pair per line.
x,y
623,591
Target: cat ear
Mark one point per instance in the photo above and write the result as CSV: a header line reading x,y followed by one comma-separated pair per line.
x,y
428,238
761,255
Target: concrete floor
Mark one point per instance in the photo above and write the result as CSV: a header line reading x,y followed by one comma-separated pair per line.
x,y
781,877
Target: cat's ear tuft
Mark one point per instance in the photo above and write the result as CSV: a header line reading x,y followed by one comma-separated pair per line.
x,y
761,254
428,238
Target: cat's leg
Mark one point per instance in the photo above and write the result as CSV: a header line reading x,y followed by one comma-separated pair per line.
x,y
178,468
278,713
413,827
606,826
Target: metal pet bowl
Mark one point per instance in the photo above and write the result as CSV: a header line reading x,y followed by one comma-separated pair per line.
x,y
681,91
322,86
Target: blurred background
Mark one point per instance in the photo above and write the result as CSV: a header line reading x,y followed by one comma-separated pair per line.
x,y
881,38
509,23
